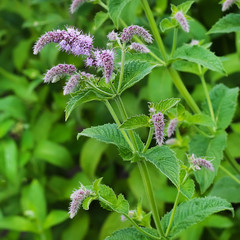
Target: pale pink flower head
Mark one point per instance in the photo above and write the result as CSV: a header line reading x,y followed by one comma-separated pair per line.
x,y
77,198
201,162
71,84
112,36
158,122
139,47
135,30
172,126
181,19
194,42
227,4
76,4
55,73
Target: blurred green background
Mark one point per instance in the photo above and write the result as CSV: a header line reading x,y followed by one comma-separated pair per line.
x,y
41,161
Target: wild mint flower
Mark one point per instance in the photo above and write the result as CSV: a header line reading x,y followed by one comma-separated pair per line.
x,y
77,198
76,4
201,162
71,84
139,47
70,40
158,121
112,36
227,4
105,59
133,30
55,73
179,16
172,126
194,42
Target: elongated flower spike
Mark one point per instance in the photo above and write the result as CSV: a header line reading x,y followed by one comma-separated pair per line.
x,y
172,126
139,47
181,19
158,121
201,162
55,73
77,198
227,4
71,84
129,32
70,40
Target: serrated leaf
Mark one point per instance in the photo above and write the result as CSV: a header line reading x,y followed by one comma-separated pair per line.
x,y
86,202
227,24
134,71
200,55
135,122
167,24
185,6
109,133
82,97
55,217
115,9
164,159
96,184
199,119
188,188
164,105
224,102
212,148
99,19
193,212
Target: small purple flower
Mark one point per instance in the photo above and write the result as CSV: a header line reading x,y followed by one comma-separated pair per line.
x,y
201,162
194,42
132,30
77,198
139,47
182,21
75,5
55,73
71,84
172,126
158,121
105,59
227,4
112,36
70,40
123,218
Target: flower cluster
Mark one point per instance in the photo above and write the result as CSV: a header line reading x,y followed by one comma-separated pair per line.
x,y
77,198
139,47
201,162
181,19
76,4
55,73
158,121
227,4
70,40
172,126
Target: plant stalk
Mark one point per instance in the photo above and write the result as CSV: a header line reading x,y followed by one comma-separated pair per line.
x,y
174,41
229,174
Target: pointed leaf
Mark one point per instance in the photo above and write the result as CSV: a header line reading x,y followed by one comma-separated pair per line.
x,y
135,122
99,19
164,105
55,217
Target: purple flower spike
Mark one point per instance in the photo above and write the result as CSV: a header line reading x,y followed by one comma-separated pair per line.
x,y
70,40
139,47
182,21
132,30
55,73
75,5
201,162
77,198
172,126
105,59
158,121
227,4
71,84
112,36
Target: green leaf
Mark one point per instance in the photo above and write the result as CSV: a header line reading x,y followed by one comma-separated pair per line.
x,y
185,66
227,188
90,159
224,102
164,105
17,223
218,221
134,71
55,217
53,153
199,119
193,212
212,148
82,97
185,6
135,122
167,24
99,19
115,9
200,55
188,188
165,161
127,234
86,202
226,24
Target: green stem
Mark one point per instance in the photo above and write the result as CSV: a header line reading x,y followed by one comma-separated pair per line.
x,y
154,28
103,5
183,91
229,174
173,213
98,89
232,161
206,93
122,68
174,41
150,135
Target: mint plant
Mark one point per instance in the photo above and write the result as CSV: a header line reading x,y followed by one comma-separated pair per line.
x,y
127,58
